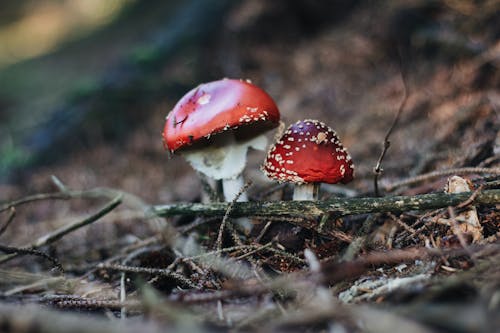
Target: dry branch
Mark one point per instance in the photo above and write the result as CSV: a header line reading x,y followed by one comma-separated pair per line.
x,y
337,207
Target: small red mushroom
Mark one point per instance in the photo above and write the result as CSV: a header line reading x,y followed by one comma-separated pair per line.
x,y
309,153
214,124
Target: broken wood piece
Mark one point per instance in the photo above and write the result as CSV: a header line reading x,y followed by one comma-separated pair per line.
x,y
467,221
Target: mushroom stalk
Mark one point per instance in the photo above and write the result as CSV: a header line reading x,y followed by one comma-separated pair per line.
x,y
225,160
232,187
308,191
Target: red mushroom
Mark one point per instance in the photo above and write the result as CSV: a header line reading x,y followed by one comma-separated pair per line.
x,y
214,124
307,154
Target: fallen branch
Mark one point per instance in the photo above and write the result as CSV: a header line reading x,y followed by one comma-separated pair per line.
x,y
337,207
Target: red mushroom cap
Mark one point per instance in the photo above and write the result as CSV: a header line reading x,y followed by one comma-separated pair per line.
x,y
309,152
218,106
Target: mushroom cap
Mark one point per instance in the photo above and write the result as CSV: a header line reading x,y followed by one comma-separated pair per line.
x,y
309,152
218,106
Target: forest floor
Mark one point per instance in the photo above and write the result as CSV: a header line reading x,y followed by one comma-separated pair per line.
x,y
423,270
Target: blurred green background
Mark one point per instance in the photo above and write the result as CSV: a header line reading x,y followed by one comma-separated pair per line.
x,y
74,70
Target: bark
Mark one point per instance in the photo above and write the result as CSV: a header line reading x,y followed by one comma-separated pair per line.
x,y
309,212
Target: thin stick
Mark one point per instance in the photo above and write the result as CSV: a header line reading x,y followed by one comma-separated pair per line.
x,y
378,167
63,231
441,173
218,252
36,197
196,223
226,215
152,271
258,249
123,296
59,184
263,231
471,198
71,301
12,214
29,251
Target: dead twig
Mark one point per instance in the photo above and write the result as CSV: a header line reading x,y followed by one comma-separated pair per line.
x,y
71,301
63,231
226,215
12,214
39,197
378,167
257,249
152,271
471,198
196,223
441,173
30,251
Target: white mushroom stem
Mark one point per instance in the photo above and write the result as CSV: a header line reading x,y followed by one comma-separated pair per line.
x,y
225,159
306,192
232,187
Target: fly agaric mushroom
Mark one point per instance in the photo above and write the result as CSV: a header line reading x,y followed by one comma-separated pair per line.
x,y
309,153
214,124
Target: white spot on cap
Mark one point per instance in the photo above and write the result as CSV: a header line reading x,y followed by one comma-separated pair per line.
x,y
204,99
321,137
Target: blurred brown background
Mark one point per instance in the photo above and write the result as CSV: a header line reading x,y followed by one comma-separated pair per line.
x,y
85,85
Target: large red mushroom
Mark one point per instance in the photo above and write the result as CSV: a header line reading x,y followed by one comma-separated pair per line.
x,y
213,126
309,153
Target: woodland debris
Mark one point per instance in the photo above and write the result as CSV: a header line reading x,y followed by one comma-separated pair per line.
x,y
467,221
